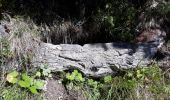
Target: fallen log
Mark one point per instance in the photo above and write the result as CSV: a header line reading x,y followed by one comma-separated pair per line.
x,y
95,59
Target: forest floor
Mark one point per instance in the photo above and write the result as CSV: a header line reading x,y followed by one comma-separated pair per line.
x,y
140,83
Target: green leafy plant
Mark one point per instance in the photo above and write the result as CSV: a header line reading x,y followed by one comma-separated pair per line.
x,y
108,79
44,71
26,81
12,77
14,92
30,83
92,83
75,76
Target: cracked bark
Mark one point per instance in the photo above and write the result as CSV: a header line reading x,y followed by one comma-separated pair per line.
x,y
95,59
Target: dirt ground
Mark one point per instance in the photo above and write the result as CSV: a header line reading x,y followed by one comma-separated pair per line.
x,y
57,91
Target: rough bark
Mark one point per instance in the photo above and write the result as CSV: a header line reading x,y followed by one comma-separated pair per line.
x,y
95,59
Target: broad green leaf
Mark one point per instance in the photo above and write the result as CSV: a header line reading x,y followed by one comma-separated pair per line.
x,y
39,84
24,84
14,74
79,77
75,72
27,78
69,77
38,74
108,79
92,82
11,77
33,89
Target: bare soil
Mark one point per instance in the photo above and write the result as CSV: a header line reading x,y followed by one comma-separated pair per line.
x,y
57,91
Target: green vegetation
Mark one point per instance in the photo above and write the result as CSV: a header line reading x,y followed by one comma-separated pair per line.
x,y
44,71
13,92
21,86
26,81
111,20
134,84
10,88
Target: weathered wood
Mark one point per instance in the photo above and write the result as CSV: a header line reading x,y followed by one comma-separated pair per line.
x,y
95,59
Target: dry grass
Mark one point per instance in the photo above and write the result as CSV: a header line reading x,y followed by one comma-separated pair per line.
x,y
63,32
17,48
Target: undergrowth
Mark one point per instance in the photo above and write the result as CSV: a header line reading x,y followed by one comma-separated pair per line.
x,y
16,50
136,84
23,85
13,92
143,83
